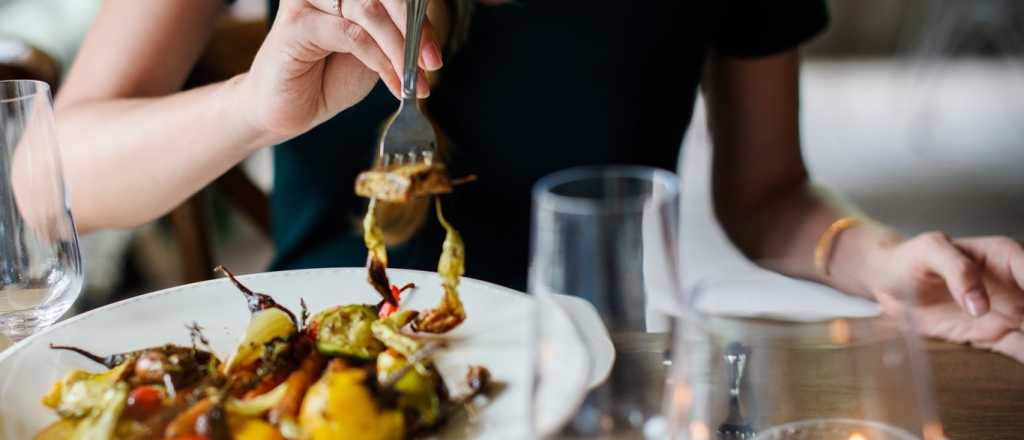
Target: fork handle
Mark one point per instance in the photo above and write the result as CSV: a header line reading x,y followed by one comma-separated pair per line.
x,y
416,10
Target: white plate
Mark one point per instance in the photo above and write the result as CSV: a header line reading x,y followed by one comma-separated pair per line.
x,y
495,334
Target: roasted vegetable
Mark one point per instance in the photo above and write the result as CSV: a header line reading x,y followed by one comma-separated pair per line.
x,y
259,405
287,409
478,378
388,331
452,264
62,429
257,302
341,406
110,361
213,424
417,392
94,402
269,322
377,255
101,422
404,182
252,429
80,392
185,422
264,328
183,366
346,331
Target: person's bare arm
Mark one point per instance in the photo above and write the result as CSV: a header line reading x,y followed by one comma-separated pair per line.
x,y
965,290
134,147
762,193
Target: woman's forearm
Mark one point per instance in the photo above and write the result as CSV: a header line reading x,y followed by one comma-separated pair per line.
x,y
129,161
783,233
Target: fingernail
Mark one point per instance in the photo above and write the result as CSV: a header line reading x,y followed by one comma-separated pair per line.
x,y
432,56
975,303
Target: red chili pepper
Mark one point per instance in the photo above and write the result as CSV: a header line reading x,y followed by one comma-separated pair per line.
x,y
389,307
312,329
143,401
396,293
386,310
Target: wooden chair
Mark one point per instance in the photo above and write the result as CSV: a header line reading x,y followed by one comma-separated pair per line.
x,y
20,60
231,50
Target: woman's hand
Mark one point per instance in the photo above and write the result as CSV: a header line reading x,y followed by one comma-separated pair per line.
x,y
966,290
319,59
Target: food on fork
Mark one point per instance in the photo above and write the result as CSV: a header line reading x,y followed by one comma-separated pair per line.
x,y
451,265
404,182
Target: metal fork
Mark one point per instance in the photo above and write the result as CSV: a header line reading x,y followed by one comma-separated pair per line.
x,y
735,427
409,137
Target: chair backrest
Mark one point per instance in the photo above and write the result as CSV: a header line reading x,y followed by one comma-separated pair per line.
x,y
230,51
20,60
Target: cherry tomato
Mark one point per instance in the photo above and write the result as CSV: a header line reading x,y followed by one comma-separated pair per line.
x,y
143,401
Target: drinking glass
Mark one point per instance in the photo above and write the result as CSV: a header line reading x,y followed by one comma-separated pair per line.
x,y
606,235
40,264
739,378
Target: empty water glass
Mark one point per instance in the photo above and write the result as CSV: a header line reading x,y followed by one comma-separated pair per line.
x,y
606,235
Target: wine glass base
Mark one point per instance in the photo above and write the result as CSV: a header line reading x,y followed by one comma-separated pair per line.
x,y
835,429
23,323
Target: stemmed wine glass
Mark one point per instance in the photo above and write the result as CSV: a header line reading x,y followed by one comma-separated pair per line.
x,y
606,235
40,263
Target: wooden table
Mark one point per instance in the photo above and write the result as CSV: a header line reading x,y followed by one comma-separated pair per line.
x,y
979,395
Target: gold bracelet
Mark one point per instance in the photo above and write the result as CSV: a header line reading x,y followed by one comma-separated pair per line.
x,y
823,251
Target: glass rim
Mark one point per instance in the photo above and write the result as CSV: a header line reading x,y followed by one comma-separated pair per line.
x,y
41,87
544,198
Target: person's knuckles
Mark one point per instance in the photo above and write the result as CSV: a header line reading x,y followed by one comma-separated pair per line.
x,y
355,33
363,10
966,272
1009,248
931,240
291,17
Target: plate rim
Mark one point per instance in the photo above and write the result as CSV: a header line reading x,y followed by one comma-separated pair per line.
x,y
18,346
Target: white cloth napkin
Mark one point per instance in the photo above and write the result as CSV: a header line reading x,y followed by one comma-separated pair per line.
x,y
726,282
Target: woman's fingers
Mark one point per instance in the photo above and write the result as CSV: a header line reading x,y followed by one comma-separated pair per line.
x,y
1003,258
962,275
338,34
1011,345
430,50
387,31
374,18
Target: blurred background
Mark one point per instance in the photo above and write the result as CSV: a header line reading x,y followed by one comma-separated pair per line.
x,y
911,108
